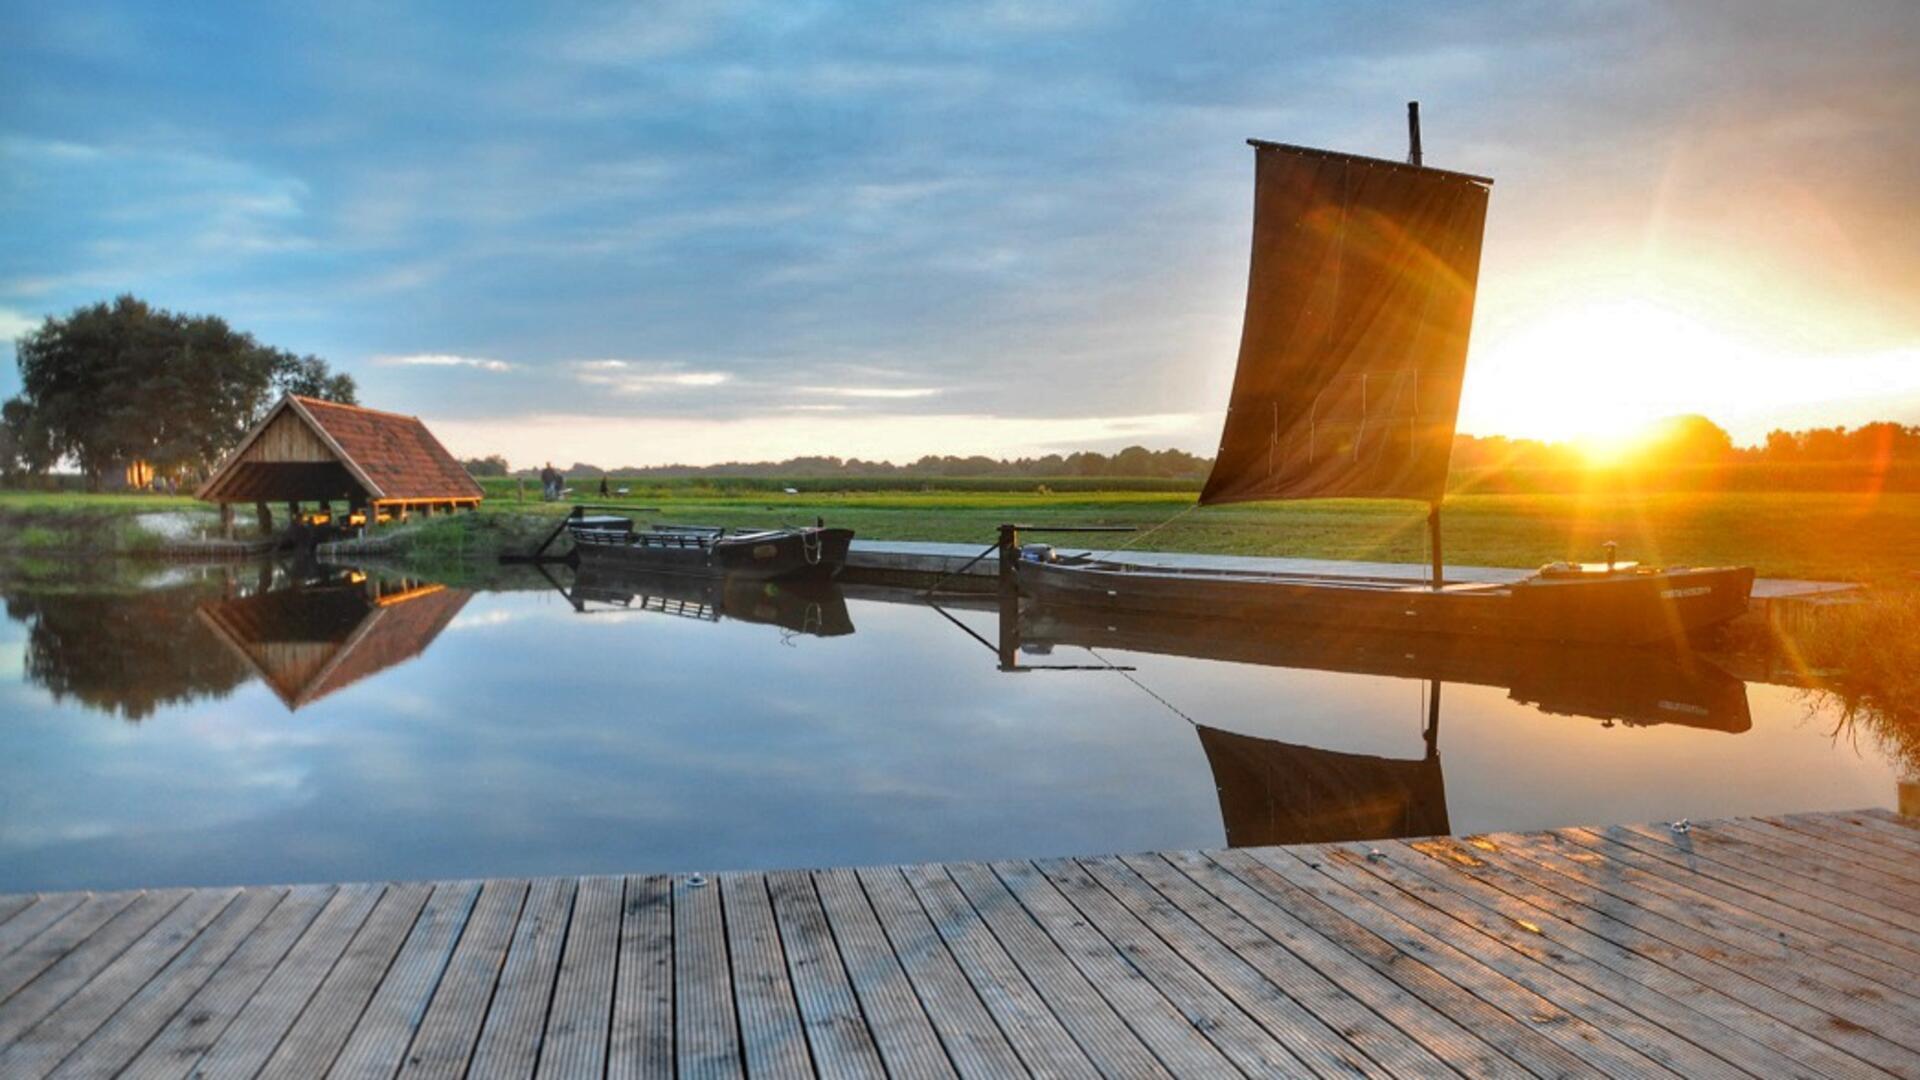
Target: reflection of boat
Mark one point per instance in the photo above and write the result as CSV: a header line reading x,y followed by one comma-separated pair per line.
x,y
1636,686
1275,792
1360,296
807,606
325,633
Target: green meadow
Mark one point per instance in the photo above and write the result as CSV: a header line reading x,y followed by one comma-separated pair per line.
x,y
1783,534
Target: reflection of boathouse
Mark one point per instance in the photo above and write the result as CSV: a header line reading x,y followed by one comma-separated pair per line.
x,y
309,641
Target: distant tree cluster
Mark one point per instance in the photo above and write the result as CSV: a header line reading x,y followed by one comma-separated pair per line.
x,y
1883,441
122,382
1134,462
491,465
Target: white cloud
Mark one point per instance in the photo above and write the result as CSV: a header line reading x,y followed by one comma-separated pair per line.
x,y
891,393
443,360
641,377
13,324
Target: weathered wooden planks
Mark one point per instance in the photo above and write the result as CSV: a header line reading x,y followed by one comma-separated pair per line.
x,y
1766,947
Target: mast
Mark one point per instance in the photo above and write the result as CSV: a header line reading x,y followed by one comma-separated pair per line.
x,y
1433,508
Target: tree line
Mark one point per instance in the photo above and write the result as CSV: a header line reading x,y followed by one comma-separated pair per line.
x,y
124,382
1678,442
1694,441
1133,462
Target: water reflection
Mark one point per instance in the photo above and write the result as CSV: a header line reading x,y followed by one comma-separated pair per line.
x,y
1638,687
324,629
817,608
1276,792
124,649
446,732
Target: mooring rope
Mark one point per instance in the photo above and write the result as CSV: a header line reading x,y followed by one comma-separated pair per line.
x,y
1144,688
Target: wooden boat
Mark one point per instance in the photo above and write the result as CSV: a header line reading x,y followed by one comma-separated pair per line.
x,y
1360,298
810,552
1624,605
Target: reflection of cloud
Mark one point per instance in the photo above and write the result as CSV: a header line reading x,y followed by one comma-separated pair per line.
x,y
482,619
443,360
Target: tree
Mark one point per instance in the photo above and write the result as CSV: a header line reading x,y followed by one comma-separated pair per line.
x,y
1690,439
491,465
309,376
112,383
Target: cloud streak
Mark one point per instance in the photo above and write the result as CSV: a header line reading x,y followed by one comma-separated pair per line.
x,y
444,360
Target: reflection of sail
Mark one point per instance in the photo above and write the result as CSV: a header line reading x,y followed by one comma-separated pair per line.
x,y
309,641
1273,792
1635,686
809,607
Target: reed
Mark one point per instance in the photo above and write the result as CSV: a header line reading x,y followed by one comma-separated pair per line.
x,y
1863,659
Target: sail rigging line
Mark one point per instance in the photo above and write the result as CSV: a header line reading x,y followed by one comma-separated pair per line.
x,y
1144,533
1127,674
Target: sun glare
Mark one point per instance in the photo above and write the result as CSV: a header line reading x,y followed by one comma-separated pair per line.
x,y
1598,373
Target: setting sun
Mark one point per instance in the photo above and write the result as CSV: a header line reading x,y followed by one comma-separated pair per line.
x,y
1597,371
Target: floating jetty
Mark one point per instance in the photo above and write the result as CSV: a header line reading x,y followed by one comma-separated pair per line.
x,y
1767,947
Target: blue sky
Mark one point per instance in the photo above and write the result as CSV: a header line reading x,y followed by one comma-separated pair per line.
x,y
656,232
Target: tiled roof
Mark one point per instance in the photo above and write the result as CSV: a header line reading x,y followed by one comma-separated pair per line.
x,y
397,453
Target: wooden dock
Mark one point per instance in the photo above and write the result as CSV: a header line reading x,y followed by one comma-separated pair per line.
x,y
1771,947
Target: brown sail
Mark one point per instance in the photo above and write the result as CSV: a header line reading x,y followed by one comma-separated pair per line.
x,y
1359,301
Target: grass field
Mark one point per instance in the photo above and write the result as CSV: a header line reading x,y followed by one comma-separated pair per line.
x,y
1782,534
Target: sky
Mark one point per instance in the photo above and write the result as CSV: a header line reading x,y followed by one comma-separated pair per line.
x,y
696,232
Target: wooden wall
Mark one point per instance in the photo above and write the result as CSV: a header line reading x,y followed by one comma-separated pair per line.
x,y
288,438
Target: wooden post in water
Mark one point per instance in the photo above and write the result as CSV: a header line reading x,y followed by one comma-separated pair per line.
x,y
1432,732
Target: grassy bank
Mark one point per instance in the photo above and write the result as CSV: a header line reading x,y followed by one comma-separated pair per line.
x,y
1782,534
56,524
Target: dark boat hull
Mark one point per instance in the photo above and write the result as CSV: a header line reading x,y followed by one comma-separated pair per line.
x,y
1629,608
783,554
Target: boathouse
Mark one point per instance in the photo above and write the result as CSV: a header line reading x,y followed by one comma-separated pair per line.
x,y
311,454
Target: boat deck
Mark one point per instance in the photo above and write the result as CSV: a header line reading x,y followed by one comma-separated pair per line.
x,y
1751,947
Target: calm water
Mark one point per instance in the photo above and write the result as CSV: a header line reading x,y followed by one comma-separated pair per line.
x,y
225,726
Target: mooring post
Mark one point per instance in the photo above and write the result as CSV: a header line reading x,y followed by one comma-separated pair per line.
x,y
1433,539
226,521
1009,552
1413,133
